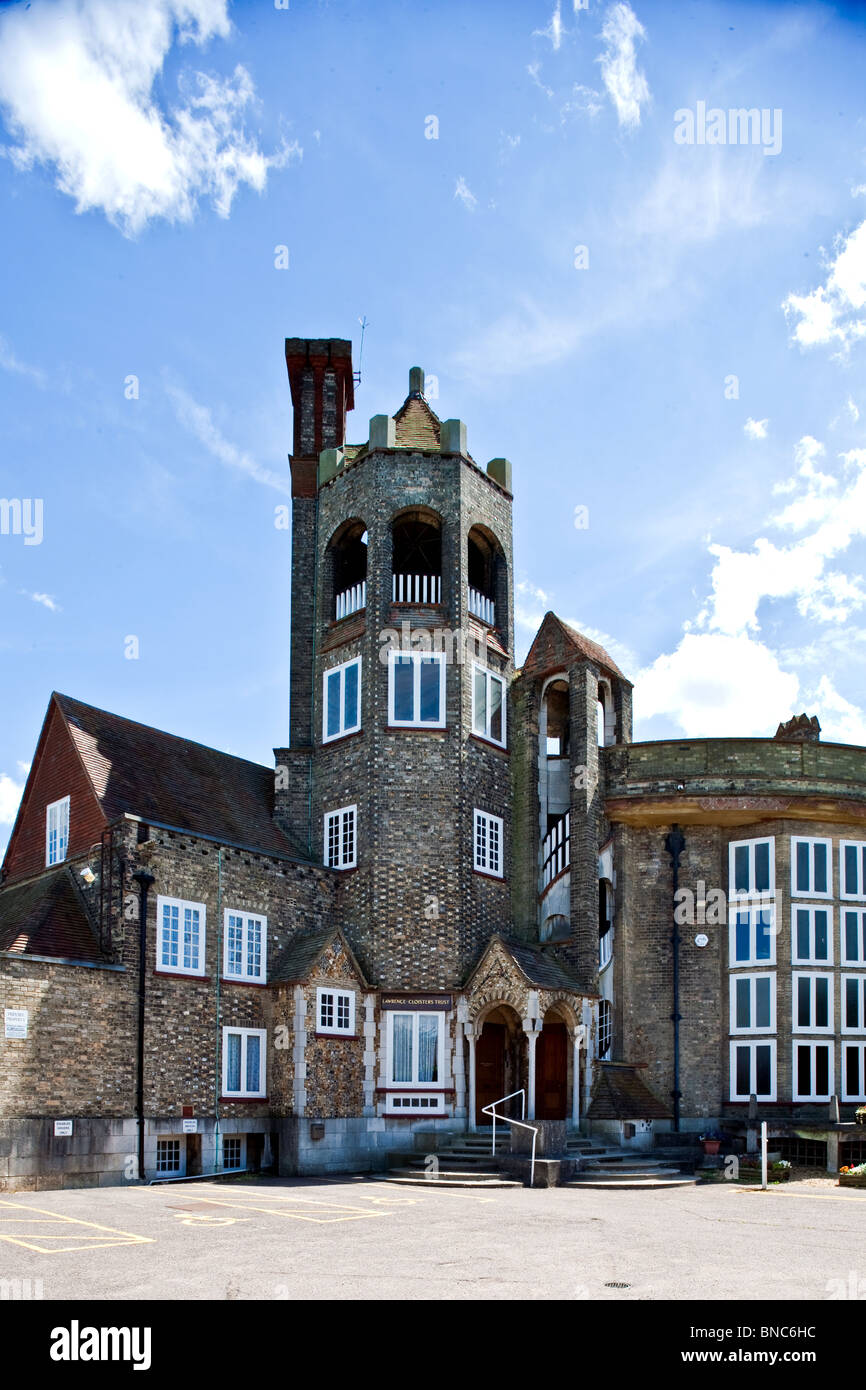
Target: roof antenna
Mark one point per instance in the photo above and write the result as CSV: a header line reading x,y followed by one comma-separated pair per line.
x,y
357,374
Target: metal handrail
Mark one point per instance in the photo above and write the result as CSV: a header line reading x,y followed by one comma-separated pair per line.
x,y
491,1110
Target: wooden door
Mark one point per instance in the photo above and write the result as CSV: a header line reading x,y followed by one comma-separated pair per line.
x,y
551,1072
489,1069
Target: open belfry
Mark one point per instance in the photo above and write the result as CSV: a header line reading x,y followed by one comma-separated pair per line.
x,y
461,888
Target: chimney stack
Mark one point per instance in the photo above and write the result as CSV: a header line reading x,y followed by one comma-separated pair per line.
x,y
322,387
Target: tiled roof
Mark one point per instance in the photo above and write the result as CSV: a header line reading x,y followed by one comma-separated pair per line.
x,y
555,641
47,917
160,777
541,968
416,426
296,962
620,1093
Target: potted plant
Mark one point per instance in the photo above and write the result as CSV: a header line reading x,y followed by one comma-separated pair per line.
x,y
712,1141
750,1169
852,1175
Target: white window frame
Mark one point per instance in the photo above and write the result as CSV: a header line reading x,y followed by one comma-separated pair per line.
x,y
180,1170
334,1028
58,811
415,1085
736,909
741,895
859,893
752,1030
811,892
340,672
247,918
181,904
416,659
811,959
796,1094
341,813
860,1028
484,868
812,976
485,732
861,936
861,1048
241,1141
245,1034
752,1044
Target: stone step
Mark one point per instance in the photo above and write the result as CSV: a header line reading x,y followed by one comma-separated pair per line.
x,y
416,1178
601,1170
620,1181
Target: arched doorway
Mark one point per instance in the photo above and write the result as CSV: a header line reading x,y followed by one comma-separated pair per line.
x,y
498,1062
551,1069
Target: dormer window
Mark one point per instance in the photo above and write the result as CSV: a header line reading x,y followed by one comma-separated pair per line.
x,y
57,831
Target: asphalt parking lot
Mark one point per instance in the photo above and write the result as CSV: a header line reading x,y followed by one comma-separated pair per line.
x,y
358,1238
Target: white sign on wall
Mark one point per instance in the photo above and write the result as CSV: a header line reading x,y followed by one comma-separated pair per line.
x,y
190,1126
62,1128
16,1023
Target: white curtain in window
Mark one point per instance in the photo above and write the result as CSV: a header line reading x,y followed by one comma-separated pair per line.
x,y
233,1069
403,1047
253,1063
428,1047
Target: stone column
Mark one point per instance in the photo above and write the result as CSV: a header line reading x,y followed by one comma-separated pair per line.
x,y
369,1054
832,1152
469,1030
531,1029
577,1043
299,1053
459,1063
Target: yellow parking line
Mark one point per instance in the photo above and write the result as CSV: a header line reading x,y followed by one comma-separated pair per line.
x,y
783,1191
127,1237
353,1212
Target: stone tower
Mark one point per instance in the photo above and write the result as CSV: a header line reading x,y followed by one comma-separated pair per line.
x,y
397,774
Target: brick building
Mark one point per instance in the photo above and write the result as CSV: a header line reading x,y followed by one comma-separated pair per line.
x,y
457,881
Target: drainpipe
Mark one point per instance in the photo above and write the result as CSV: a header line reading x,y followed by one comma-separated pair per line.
x,y
219,971
675,843
144,880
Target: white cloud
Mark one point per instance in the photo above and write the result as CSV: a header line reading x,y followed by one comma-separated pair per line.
x,y
47,600
755,429
199,421
716,684
841,722
834,312
519,340
77,83
10,797
465,194
554,28
534,69
626,85
583,99
10,363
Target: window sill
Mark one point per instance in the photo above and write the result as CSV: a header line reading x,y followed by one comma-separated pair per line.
x,y
495,878
490,743
341,738
238,980
416,728
243,1100
183,975
349,1037
335,869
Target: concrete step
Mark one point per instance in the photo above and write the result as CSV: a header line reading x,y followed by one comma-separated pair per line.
x,y
624,1170
418,1178
621,1181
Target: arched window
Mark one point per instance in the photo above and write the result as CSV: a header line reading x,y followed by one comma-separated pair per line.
x,y
605,922
606,715
556,703
487,576
555,928
345,578
417,556
605,1027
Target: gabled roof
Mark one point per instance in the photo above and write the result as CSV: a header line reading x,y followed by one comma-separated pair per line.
x,y
416,425
47,916
299,959
620,1093
539,967
145,772
556,644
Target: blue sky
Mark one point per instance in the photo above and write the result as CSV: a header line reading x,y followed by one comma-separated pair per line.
x,y
694,377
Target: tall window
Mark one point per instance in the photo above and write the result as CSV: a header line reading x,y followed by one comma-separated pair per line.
x,y
416,689
341,851
335,1011
753,1003
751,868
488,844
605,922
171,1156
812,1003
811,868
488,705
605,1027
245,946
415,1046
57,831
341,700
812,935
752,936
180,936
854,1003
854,1071
852,868
753,1070
853,936
244,1061
813,1070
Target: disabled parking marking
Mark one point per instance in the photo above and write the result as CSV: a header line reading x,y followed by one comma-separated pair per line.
x,y
336,1211
52,1218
